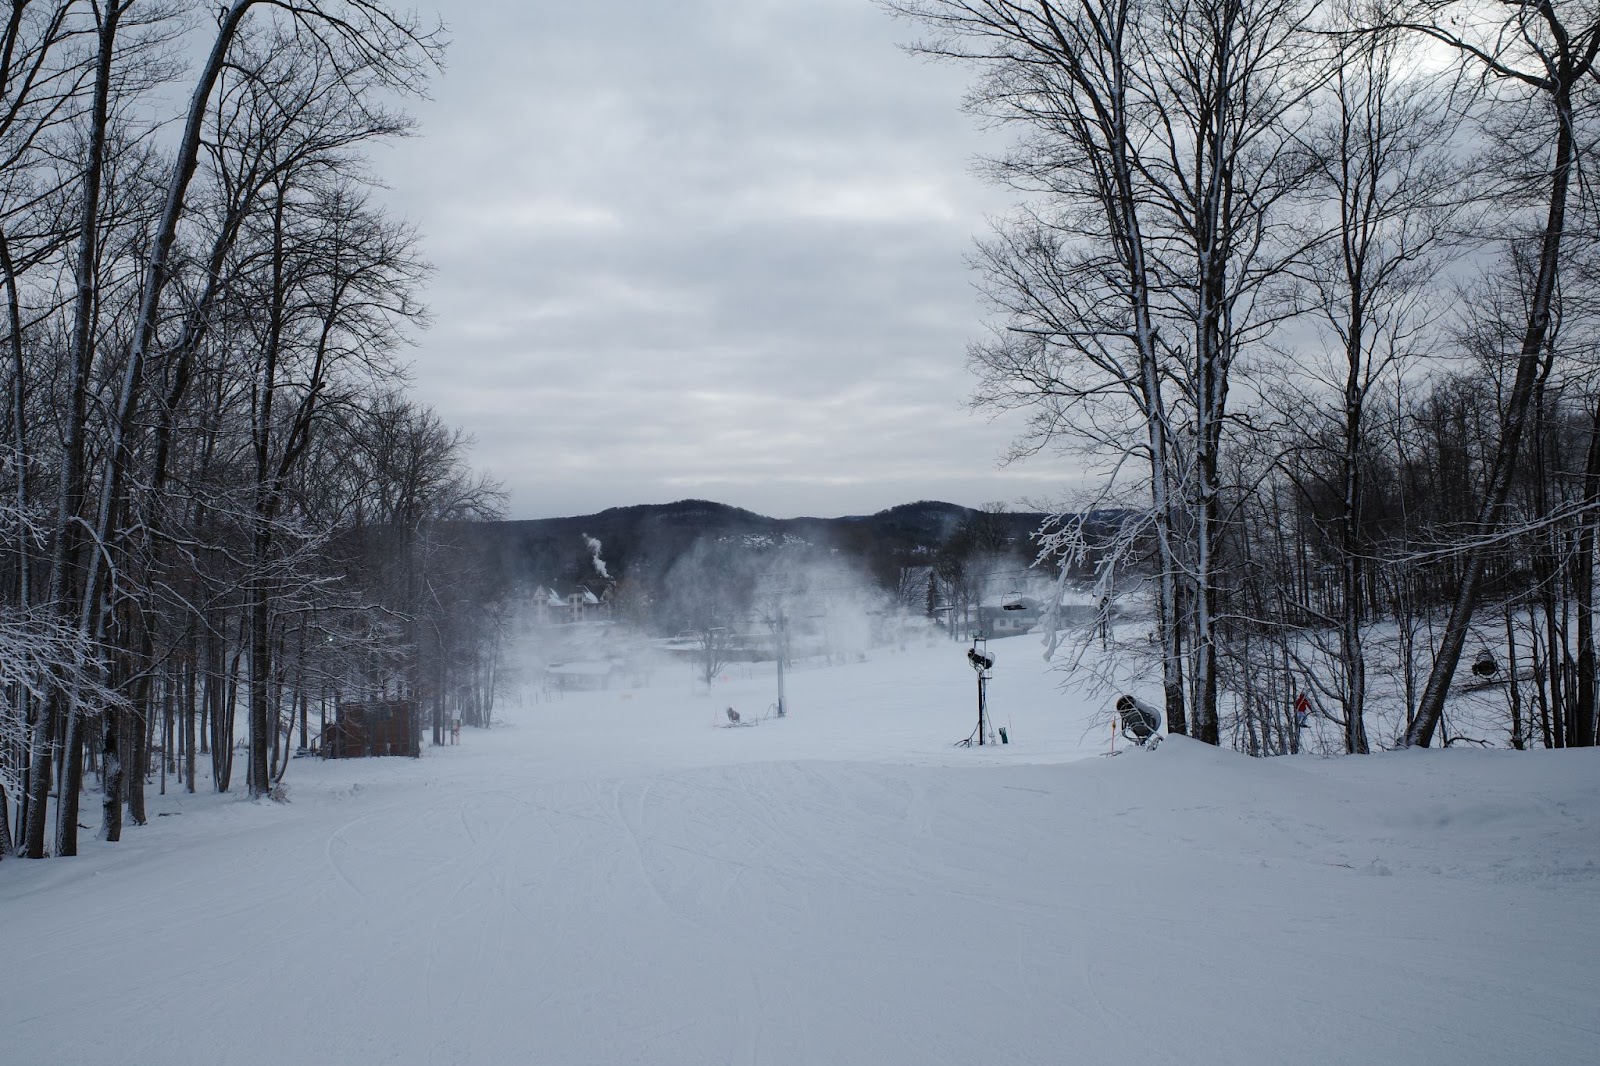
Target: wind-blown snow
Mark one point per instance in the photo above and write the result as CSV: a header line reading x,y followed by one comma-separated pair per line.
x,y
611,879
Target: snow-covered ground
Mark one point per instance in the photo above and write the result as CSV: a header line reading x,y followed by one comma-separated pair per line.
x,y
611,879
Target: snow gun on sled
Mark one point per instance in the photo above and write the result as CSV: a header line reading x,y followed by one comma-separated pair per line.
x,y
1140,722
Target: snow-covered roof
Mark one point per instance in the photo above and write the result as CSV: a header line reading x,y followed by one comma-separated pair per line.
x,y
580,594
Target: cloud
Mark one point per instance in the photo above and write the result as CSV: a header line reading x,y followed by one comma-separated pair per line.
x,y
521,217
716,244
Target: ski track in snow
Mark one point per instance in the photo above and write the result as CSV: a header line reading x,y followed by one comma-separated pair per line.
x,y
608,880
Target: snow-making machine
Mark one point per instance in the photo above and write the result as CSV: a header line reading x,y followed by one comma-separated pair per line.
x,y
982,662
1140,722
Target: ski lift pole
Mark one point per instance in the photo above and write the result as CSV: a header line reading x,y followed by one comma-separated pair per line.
x,y
783,647
981,708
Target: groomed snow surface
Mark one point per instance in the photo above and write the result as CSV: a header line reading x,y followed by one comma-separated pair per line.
x,y
610,878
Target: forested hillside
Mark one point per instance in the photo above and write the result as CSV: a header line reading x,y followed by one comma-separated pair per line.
x,y
642,542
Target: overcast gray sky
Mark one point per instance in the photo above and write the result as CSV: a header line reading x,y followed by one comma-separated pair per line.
x,y
706,248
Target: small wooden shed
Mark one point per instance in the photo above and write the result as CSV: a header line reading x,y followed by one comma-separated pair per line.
x,y
373,727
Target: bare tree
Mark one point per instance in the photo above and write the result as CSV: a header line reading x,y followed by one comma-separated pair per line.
x,y
1073,280
1385,185
1538,60
709,592
112,341
1158,141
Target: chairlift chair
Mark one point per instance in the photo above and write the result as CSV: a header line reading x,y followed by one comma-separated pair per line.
x,y
1012,601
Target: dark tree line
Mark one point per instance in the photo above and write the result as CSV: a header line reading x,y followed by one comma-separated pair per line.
x,y
220,511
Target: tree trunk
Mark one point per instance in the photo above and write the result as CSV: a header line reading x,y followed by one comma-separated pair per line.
x,y
137,741
1588,528
1514,690
59,707
7,846
71,786
1491,514
190,687
111,760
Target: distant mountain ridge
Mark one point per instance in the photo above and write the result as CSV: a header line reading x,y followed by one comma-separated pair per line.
x,y
650,536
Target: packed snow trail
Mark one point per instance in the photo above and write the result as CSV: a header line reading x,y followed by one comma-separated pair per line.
x,y
610,880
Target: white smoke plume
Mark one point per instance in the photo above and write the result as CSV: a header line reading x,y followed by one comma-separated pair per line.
x,y
594,550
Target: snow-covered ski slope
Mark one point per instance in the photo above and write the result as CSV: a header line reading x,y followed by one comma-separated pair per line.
x,y
611,879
